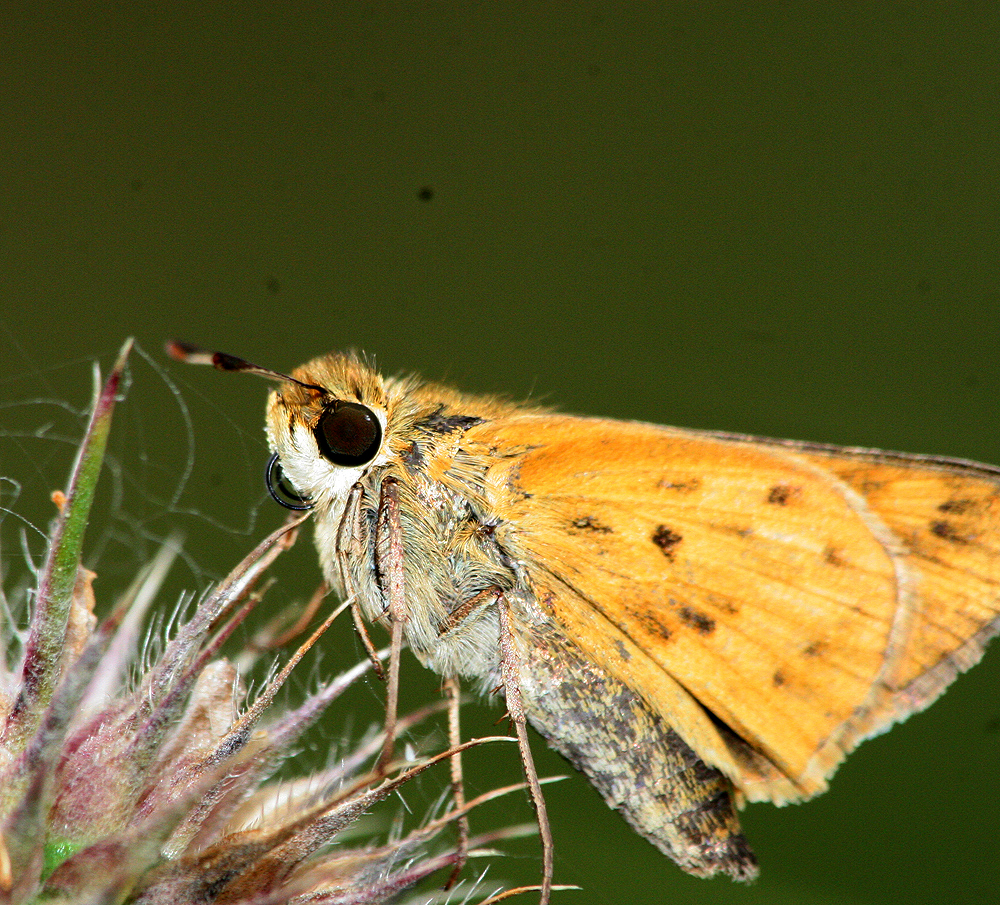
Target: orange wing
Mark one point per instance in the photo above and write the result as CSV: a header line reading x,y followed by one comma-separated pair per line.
x,y
775,603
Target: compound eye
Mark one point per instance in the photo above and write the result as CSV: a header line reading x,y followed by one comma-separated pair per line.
x,y
281,491
348,434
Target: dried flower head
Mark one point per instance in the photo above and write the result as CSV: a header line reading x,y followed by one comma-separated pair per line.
x,y
123,781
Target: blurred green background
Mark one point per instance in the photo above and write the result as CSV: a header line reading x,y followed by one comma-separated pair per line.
x,y
777,219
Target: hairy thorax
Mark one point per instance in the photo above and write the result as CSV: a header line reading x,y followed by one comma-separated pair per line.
x,y
456,561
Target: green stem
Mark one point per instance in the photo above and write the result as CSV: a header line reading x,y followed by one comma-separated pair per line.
x,y
57,581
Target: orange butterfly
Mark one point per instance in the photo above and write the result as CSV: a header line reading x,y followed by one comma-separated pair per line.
x,y
693,619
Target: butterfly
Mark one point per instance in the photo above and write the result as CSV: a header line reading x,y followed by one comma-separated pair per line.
x,y
694,619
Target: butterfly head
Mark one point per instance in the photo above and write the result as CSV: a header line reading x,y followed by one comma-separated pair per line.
x,y
327,424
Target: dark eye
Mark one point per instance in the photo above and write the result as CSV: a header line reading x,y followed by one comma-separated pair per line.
x,y
348,434
281,491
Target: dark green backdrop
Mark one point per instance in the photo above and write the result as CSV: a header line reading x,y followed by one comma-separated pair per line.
x,y
759,218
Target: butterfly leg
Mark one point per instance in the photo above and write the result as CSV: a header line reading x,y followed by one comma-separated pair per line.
x,y
509,672
348,548
452,691
389,560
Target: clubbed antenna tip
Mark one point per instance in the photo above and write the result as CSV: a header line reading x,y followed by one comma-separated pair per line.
x,y
223,361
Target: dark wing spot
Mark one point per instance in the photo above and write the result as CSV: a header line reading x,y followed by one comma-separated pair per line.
x,y
957,506
813,649
778,679
666,540
701,623
650,624
721,603
688,486
833,557
622,650
946,531
589,523
780,494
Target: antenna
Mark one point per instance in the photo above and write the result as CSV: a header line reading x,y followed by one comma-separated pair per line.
x,y
223,361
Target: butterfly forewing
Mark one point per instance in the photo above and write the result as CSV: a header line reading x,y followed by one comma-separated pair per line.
x,y
779,604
